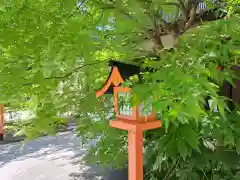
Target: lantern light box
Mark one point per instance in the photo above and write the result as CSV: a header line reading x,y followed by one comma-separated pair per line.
x,y
133,118
125,111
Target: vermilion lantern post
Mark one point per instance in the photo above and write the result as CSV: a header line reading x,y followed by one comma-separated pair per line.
x,y
1,122
129,117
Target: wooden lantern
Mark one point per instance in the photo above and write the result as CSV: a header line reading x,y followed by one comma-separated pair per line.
x,y
129,117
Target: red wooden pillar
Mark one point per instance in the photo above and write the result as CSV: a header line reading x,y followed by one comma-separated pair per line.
x,y
135,144
1,122
135,154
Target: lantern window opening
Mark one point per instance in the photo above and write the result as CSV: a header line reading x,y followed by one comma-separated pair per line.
x,y
124,105
145,108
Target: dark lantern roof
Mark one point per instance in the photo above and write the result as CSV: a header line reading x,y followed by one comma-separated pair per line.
x,y
124,69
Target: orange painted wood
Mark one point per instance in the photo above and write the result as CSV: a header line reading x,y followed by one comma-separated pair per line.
x,y
135,155
115,79
117,90
133,125
135,144
1,121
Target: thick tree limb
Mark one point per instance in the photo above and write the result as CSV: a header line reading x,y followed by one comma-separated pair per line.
x,y
183,9
192,17
165,25
123,12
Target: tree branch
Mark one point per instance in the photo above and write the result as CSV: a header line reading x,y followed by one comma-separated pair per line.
x,y
192,17
123,12
172,4
74,70
183,9
107,7
165,25
66,75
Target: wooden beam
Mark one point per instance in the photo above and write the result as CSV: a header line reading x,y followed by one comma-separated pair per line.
x,y
135,144
135,154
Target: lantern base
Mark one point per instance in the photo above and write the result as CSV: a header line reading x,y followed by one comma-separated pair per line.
x,y
133,125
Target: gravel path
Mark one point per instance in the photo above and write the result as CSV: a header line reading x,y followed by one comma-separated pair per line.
x,y
47,158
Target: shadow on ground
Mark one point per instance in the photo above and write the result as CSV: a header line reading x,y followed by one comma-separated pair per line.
x,y
61,155
92,174
42,147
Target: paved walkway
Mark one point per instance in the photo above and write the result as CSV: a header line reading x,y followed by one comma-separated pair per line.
x,y
47,158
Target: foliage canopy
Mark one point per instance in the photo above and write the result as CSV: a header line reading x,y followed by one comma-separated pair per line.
x,y
54,56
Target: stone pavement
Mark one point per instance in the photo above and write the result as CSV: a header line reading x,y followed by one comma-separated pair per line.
x,y
47,158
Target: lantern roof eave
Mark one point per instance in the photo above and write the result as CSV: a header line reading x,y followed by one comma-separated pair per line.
x,y
120,71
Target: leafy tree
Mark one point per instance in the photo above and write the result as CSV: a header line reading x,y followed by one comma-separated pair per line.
x,y
54,56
